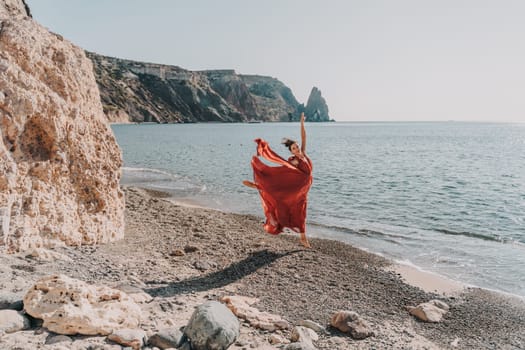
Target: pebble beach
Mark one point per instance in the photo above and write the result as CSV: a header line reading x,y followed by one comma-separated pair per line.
x,y
182,256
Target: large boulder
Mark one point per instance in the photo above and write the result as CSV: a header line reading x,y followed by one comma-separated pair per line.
x,y
59,161
212,326
69,306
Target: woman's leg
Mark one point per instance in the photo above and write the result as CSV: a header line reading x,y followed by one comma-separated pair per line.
x,y
250,184
304,240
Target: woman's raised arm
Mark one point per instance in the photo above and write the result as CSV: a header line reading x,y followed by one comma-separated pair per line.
x,y
303,135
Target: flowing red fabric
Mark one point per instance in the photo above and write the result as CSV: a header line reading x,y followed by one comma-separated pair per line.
x,y
283,189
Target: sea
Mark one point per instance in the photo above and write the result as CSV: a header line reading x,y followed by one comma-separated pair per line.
x,y
445,197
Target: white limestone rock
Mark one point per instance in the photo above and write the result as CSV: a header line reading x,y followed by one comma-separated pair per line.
x,y
431,311
59,161
304,334
242,308
13,321
303,338
133,338
69,306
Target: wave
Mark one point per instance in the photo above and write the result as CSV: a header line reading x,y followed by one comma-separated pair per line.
x,y
150,170
370,233
398,238
478,236
162,180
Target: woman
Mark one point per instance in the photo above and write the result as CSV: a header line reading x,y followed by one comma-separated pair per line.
x,y
283,189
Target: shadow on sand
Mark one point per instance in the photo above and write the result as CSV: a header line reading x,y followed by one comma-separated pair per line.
x,y
221,278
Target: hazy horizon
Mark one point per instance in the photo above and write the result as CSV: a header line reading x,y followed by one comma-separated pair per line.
x,y
373,60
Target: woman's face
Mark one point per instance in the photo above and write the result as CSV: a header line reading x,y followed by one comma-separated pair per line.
x,y
296,151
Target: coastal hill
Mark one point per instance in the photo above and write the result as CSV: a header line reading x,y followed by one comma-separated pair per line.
x,y
133,91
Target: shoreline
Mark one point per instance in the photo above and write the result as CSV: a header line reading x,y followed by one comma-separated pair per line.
x,y
428,281
435,283
222,254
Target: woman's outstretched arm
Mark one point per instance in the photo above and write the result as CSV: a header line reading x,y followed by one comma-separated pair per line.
x,y
303,135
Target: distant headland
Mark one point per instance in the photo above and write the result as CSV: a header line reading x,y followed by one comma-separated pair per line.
x,y
133,91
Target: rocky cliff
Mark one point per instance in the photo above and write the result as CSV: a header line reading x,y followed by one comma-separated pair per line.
x,y
147,92
316,108
59,161
275,101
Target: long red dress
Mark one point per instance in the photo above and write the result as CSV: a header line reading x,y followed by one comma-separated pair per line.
x,y
283,189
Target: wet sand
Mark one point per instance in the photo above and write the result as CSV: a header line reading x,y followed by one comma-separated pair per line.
x,y
428,281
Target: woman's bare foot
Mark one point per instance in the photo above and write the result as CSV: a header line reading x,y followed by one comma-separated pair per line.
x,y
304,241
250,184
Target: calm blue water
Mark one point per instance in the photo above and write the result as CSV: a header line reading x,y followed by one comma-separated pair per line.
x,y
447,197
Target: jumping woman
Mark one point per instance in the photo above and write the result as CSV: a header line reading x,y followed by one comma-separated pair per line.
x,y
284,188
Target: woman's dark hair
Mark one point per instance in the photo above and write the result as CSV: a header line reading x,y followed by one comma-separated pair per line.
x,y
288,143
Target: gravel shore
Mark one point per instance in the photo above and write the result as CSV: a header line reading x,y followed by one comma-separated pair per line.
x,y
183,256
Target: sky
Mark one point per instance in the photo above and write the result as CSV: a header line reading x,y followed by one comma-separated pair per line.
x,y
373,60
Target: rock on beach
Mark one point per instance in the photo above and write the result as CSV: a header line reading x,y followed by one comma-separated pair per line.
x,y
212,327
431,311
69,306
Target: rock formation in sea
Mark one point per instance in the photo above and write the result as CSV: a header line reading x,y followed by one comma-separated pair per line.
x,y
316,108
133,91
59,161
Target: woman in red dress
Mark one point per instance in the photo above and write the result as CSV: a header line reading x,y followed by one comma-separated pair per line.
x,y
284,188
